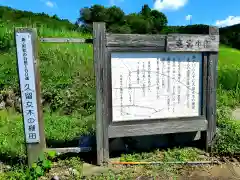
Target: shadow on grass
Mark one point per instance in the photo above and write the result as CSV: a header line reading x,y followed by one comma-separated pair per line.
x,y
12,159
171,141
51,143
128,145
82,142
118,146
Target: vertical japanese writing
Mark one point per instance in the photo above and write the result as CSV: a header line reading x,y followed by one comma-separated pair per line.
x,y
174,87
188,80
168,80
27,84
157,79
163,72
149,75
168,74
130,86
193,81
143,77
138,69
28,104
179,80
25,60
29,111
121,93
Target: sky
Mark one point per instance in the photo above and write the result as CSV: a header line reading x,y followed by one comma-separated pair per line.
x,y
179,12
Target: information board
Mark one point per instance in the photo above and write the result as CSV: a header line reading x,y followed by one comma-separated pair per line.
x,y
155,85
28,86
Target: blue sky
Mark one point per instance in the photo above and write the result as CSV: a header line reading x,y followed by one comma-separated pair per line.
x,y
178,12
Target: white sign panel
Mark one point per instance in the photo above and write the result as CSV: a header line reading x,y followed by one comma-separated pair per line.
x,y
27,85
155,85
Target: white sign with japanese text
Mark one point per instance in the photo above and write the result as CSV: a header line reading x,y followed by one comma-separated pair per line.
x,y
26,72
155,85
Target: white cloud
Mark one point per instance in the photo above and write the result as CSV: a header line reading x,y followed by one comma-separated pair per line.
x,y
229,21
114,2
188,17
50,4
169,4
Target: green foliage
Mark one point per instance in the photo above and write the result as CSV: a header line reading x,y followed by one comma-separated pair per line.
x,y
42,166
146,21
6,38
228,98
228,136
57,127
231,36
38,169
187,154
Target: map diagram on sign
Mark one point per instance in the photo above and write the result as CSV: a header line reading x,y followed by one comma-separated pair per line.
x,y
155,85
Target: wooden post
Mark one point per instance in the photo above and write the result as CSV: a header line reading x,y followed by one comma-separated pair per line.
x,y
212,86
29,85
99,56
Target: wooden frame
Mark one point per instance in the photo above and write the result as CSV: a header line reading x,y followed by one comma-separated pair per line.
x,y
105,44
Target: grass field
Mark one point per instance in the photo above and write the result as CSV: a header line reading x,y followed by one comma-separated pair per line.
x,y
68,91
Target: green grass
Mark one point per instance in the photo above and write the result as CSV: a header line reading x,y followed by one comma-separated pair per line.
x,y
228,57
229,69
57,127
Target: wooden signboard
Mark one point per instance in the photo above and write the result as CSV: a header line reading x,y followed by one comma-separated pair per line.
x,y
154,84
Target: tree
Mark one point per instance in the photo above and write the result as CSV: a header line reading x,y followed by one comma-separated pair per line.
x,y
138,24
124,29
159,21
115,15
146,21
98,13
146,11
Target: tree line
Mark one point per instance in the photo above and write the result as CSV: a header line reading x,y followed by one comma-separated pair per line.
x,y
146,21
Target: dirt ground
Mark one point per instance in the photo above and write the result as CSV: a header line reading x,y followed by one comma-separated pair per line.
x,y
217,172
220,172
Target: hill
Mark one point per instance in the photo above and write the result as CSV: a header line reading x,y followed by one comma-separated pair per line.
x,y
46,25
16,17
231,36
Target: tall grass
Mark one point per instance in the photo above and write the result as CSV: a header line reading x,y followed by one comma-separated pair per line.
x,y
7,33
